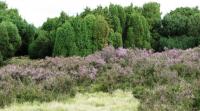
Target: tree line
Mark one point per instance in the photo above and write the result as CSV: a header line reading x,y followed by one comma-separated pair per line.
x,y
92,30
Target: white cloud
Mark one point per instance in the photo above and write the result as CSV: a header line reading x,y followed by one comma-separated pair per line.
x,y
37,11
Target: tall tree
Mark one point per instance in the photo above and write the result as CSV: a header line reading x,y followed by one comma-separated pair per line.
x,y
10,40
151,11
65,39
138,34
175,23
83,41
194,25
101,32
41,46
90,23
115,39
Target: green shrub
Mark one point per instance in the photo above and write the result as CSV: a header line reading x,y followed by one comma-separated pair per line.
x,y
30,93
7,90
60,85
25,89
139,92
10,40
111,80
196,104
41,47
182,42
176,23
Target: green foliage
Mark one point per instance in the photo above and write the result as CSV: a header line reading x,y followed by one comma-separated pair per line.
x,y
151,11
4,40
138,34
116,24
182,42
90,23
155,41
82,38
41,46
117,17
196,103
95,29
62,84
26,31
3,5
175,23
65,41
51,24
101,32
10,40
14,37
194,25
24,89
27,34
115,39
86,12
111,80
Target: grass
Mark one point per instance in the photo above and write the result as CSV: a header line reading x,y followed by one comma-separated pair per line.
x,y
99,101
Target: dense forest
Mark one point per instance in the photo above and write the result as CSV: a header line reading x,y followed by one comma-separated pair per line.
x,y
92,30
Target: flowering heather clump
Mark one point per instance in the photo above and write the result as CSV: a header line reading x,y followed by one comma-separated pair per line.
x,y
120,52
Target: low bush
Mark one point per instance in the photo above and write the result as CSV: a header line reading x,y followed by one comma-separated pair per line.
x,y
182,42
25,89
60,85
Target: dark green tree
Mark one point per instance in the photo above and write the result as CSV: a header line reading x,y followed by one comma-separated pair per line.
x,y
41,46
10,40
182,42
175,23
117,17
138,34
65,41
63,17
194,25
26,31
115,39
86,11
151,11
51,24
89,20
101,32
83,41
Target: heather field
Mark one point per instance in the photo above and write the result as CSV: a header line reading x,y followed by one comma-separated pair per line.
x,y
153,81
104,55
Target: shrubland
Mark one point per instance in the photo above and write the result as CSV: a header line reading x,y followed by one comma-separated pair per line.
x,y
103,49
166,80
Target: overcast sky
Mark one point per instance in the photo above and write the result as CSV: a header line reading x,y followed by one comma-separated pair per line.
x,y
37,11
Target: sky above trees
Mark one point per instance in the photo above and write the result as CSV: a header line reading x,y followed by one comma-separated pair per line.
x,y
37,11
